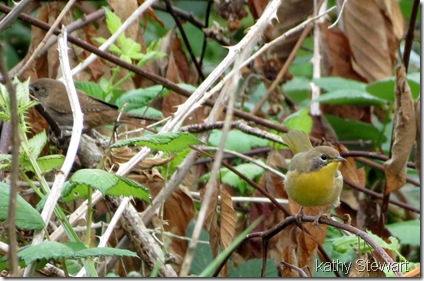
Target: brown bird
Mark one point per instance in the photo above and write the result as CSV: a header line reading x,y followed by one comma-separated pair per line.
x,y
53,97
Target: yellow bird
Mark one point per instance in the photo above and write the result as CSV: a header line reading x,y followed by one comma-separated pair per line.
x,y
313,178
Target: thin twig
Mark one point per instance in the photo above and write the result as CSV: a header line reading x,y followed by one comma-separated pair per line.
x,y
14,175
10,18
205,38
185,39
409,39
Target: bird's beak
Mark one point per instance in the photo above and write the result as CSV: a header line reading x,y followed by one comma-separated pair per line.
x,y
339,159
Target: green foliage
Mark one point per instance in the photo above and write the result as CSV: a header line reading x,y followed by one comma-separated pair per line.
x,y
141,97
345,91
48,250
91,88
22,96
106,183
126,48
345,243
171,142
249,170
299,120
237,140
385,89
353,130
34,147
408,232
26,216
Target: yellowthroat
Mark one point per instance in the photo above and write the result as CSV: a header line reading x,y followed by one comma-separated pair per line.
x,y
313,178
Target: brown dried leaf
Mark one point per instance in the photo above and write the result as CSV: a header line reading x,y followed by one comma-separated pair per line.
x,y
228,218
290,13
372,36
337,61
404,133
366,266
211,221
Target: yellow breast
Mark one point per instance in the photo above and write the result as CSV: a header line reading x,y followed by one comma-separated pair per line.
x,y
317,188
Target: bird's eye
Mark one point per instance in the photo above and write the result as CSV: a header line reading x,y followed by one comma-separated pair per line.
x,y
36,88
324,157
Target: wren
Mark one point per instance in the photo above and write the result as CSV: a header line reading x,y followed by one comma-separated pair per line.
x,y
53,97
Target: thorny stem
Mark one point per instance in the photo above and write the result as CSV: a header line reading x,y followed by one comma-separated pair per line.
x,y
14,174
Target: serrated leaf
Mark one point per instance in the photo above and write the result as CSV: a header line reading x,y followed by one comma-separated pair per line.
x,y
113,23
46,163
171,142
37,143
112,47
141,97
47,250
103,251
26,216
337,83
299,121
131,48
91,88
127,187
349,97
106,183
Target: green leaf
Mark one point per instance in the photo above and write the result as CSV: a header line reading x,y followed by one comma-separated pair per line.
x,y
131,48
385,89
337,83
91,88
5,161
170,142
37,143
408,232
353,130
141,97
26,216
344,243
147,111
113,23
349,97
298,89
249,170
47,250
299,121
103,251
46,163
237,140
103,181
